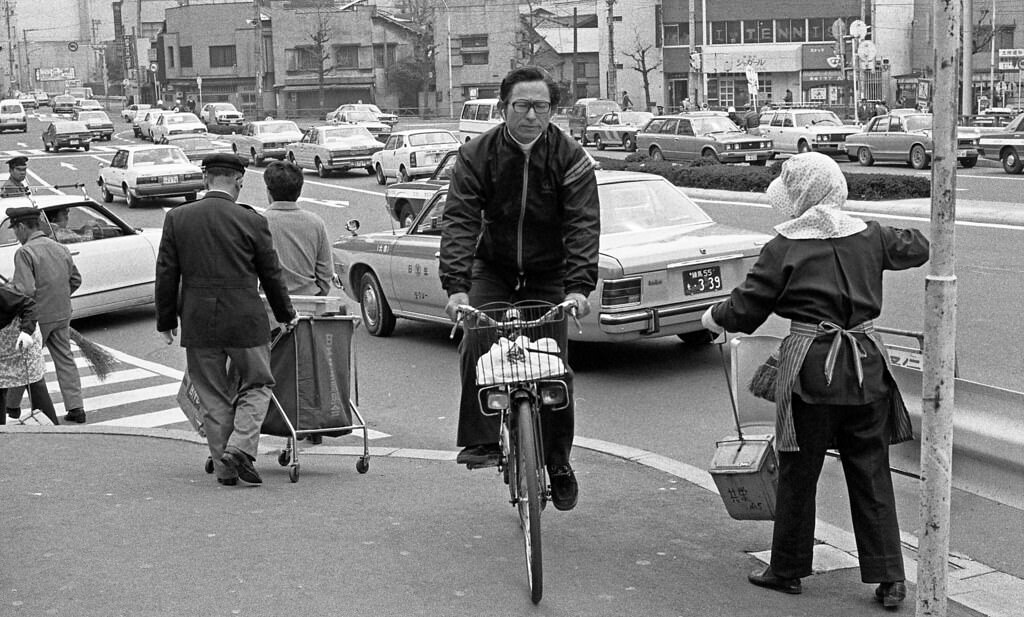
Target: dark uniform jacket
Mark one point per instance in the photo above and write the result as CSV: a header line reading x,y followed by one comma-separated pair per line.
x,y
213,254
530,217
45,270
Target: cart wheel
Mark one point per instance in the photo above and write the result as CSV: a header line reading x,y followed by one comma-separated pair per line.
x,y
209,464
293,473
284,458
363,464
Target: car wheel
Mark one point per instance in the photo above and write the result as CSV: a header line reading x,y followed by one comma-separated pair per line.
x,y
377,315
107,195
918,157
254,159
628,144
699,337
381,178
321,171
403,174
1012,163
406,215
864,157
598,142
131,200
802,147
969,162
656,154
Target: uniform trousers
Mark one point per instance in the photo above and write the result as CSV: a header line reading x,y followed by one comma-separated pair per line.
x,y
861,434
490,285
57,338
234,401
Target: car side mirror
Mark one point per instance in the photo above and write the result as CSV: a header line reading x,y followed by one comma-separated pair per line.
x,y
352,226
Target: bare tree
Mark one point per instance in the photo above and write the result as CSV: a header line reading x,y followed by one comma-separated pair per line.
x,y
645,60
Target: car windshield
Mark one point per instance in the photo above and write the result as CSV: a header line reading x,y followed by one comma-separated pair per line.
x,y
98,116
918,123
193,143
159,156
430,139
182,119
713,124
346,134
645,205
271,128
361,116
818,117
70,127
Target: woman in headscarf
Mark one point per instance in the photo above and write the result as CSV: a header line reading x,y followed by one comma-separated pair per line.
x,y
823,272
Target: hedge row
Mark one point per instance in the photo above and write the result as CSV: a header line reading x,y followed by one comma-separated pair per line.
x,y
712,175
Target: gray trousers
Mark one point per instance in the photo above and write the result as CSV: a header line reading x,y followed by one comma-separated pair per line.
x,y
234,404
57,338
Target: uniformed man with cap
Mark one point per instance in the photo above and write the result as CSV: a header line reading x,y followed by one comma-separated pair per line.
x,y
212,254
45,271
15,185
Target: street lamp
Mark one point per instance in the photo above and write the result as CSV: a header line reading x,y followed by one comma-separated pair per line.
x,y
451,101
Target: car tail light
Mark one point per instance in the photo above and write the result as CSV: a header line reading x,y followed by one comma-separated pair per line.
x,y
621,292
412,160
147,180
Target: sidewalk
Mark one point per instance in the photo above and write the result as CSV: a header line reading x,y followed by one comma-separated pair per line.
x,y
125,522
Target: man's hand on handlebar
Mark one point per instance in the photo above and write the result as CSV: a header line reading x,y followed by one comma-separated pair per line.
x,y
582,304
454,302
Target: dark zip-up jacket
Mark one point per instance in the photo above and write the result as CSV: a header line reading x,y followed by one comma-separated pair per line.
x,y
536,217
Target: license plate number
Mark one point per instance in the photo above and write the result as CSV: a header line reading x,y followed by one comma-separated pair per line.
x,y
961,153
169,180
702,281
751,157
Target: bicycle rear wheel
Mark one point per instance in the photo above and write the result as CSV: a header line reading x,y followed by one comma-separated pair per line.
x,y
527,474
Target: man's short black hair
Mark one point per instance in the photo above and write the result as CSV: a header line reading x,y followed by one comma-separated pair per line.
x,y
528,73
284,181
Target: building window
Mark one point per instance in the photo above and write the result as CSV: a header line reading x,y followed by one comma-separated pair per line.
x,y
170,56
384,57
185,57
303,59
222,56
479,57
676,34
477,40
346,56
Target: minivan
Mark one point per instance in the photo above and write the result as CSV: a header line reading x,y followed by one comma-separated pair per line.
x,y
478,116
12,116
588,111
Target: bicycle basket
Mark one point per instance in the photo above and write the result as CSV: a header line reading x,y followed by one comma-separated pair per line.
x,y
516,343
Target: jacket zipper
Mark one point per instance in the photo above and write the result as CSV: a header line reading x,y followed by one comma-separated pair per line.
x,y
522,217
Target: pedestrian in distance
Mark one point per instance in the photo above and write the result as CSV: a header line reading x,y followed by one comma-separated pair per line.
x,y
45,271
21,352
300,237
521,223
211,255
627,103
15,185
834,389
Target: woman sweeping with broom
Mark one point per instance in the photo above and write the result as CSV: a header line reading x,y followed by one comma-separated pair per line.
x,y
833,389
21,351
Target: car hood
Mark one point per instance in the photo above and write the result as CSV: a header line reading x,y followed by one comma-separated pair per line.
x,y
644,251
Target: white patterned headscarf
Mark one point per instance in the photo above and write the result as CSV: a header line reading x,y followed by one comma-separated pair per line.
x,y
812,190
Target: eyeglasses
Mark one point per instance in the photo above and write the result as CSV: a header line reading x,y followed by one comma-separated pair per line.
x,y
522,107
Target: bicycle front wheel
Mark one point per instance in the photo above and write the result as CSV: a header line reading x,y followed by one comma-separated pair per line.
x,y
528,484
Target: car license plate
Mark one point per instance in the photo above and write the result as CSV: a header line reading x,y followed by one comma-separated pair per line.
x,y
702,281
751,157
169,180
961,153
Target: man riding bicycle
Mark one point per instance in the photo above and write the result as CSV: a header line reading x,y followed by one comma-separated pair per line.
x,y
521,222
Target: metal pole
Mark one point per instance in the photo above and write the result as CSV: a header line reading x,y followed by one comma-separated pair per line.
x,y
967,92
937,399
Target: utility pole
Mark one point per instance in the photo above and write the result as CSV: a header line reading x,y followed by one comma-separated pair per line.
x,y
937,397
967,92
10,49
259,60
613,81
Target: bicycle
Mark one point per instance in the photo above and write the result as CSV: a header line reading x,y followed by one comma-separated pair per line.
x,y
520,368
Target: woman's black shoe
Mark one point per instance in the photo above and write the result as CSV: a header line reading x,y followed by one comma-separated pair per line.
x,y
767,578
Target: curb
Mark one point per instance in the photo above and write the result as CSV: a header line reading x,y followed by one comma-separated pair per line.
x,y
970,583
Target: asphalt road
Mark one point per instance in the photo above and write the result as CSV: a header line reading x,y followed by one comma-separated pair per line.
x,y
659,395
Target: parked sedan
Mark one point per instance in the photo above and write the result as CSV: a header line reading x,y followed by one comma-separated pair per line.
x,y
264,139
198,146
117,260
702,135
98,122
663,262
1006,146
129,113
66,134
334,148
63,104
389,119
182,123
618,128
405,199
413,153
906,138
144,172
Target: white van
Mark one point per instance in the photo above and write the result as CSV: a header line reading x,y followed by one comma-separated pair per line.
x,y
12,116
478,116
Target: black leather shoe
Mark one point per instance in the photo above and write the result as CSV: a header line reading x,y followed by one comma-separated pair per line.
x,y
767,578
228,481
237,461
14,412
564,489
891,594
75,415
483,455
